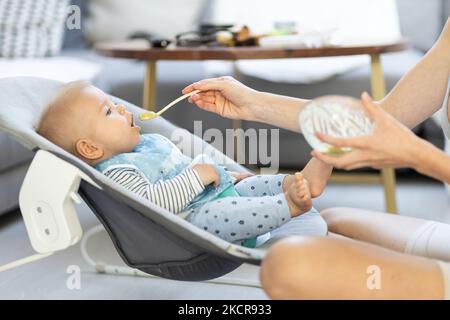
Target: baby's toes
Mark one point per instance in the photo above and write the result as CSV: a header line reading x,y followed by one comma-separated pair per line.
x,y
304,195
301,184
303,189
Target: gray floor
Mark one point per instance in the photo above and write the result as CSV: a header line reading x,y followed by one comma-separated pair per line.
x,y
47,279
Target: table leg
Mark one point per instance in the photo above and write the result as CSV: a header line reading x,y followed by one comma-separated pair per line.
x,y
149,91
378,88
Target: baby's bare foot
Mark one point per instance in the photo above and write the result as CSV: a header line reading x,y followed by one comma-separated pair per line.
x,y
298,196
317,174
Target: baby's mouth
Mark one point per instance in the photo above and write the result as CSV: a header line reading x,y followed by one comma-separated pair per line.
x,y
132,124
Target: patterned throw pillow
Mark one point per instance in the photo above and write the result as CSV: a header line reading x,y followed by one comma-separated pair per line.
x,y
31,28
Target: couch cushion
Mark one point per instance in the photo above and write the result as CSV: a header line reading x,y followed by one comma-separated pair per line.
x,y
118,19
12,153
59,68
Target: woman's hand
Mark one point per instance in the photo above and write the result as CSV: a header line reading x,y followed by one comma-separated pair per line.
x,y
225,96
391,144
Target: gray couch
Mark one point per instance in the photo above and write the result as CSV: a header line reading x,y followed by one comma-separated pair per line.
x,y
421,21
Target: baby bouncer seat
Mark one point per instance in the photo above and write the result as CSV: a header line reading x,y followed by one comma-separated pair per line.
x,y
147,237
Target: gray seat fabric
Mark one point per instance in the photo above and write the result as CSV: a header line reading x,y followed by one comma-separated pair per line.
x,y
10,186
146,236
13,154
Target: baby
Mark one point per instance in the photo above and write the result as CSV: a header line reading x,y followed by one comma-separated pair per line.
x,y
234,206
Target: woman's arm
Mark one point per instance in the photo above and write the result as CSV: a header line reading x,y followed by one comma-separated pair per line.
x,y
280,111
432,162
421,91
414,99
231,99
416,96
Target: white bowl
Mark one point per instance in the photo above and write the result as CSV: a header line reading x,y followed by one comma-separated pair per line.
x,y
338,116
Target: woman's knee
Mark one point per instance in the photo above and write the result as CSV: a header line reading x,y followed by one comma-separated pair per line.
x,y
333,213
288,270
341,217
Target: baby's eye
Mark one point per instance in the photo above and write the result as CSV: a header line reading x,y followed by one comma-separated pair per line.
x,y
108,112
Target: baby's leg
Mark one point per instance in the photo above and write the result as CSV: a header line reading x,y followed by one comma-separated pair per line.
x,y
239,218
296,190
261,185
317,174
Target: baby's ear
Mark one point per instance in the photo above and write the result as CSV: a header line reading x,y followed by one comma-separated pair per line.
x,y
88,149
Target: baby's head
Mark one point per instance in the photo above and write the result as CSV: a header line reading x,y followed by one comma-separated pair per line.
x,y
82,120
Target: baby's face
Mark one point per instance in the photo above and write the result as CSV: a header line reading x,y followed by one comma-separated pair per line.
x,y
109,126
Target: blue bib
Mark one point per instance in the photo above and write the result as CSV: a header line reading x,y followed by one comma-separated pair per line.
x,y
158,158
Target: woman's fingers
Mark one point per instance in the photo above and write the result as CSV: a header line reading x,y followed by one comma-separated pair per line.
x,y
205,85
354,159
334,161
341,142
210,107
369,105
208,96
203,97
188,89
358,165
210,93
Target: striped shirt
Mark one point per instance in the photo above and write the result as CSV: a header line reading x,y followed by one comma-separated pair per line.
x,y
172,194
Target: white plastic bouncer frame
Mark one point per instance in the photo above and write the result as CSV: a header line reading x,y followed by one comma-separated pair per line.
x,y
47,201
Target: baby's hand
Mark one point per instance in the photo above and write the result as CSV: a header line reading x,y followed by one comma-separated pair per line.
x,y
240,175
208,174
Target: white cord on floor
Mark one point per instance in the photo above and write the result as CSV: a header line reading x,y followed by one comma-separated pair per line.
x,y
23,261
101,267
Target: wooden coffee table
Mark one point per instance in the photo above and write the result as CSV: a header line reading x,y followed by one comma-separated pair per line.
x,y
141,50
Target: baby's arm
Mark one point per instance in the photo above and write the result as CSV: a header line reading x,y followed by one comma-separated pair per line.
x,y
172,194
207,174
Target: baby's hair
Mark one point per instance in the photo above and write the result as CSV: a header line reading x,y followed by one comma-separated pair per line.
x,y
56,120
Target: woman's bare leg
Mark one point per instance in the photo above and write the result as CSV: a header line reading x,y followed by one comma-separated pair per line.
x,y
326,268
383,229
